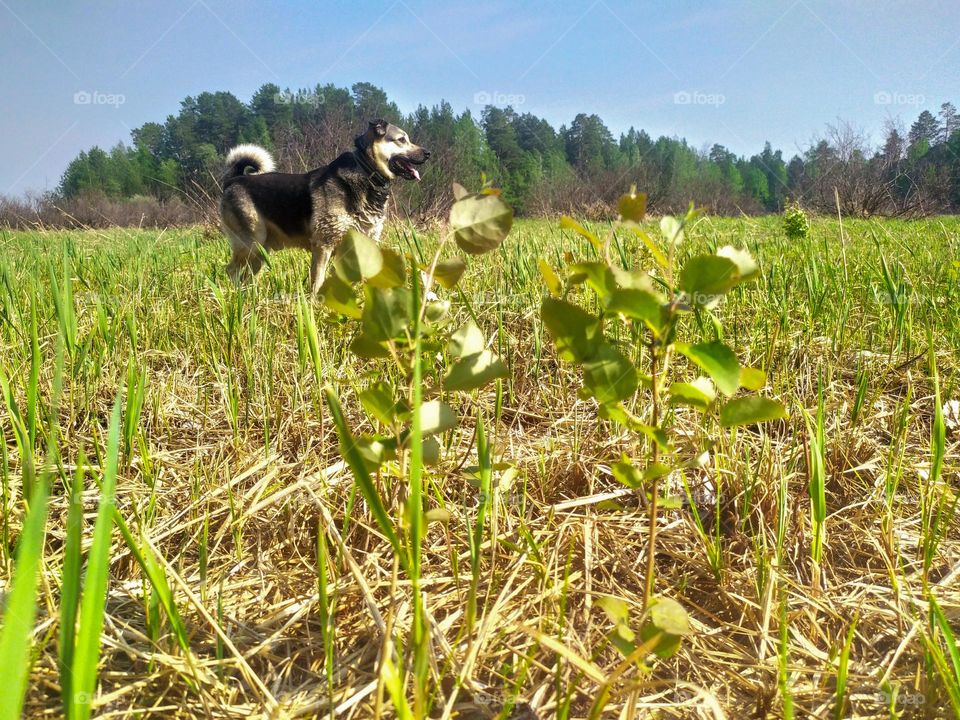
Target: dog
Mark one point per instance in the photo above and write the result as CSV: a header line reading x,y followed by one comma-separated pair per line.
x,y
262,210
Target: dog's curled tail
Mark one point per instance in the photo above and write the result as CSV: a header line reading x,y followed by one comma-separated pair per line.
x,y
247,160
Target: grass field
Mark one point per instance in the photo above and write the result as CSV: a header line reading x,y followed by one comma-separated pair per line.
x,y
230,486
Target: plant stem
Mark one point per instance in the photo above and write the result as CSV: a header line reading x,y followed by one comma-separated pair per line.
x,y
654,487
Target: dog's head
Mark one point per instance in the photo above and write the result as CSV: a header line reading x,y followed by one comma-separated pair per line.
x,y
390,150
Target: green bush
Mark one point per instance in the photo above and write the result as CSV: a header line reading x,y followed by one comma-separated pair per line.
x,y
795,222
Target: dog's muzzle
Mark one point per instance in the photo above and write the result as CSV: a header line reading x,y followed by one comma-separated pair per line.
x,y
406,165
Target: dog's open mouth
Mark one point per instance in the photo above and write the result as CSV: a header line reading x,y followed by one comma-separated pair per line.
x,y
405,167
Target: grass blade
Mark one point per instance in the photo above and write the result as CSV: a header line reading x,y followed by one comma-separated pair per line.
x,y
362,476
70,583
21,607
87,655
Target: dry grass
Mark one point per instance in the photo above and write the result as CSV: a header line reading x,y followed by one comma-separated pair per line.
x,y
233,505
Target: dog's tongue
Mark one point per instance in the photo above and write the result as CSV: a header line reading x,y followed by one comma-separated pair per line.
x,y
416,173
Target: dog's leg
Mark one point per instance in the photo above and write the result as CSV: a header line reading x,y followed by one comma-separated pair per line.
x,y
238,267
245,263
246,242
318,267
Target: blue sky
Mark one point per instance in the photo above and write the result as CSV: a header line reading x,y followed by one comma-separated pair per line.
x,y
734,72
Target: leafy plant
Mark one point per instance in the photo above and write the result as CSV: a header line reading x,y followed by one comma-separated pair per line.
x,y
622,328
795,222
420,362
628,345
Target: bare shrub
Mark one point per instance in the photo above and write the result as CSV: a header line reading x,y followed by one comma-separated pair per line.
x,y
96,211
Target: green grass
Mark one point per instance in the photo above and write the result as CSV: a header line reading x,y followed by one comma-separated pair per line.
x,y
228,588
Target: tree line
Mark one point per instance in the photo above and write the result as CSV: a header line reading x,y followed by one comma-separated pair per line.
x,y
580,168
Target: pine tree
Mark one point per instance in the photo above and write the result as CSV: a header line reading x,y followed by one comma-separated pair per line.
x,y
949,121
926,128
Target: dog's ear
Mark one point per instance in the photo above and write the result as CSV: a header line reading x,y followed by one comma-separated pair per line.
x,y
377,129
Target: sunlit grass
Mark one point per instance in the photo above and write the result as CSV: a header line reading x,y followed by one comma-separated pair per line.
x,y
250,573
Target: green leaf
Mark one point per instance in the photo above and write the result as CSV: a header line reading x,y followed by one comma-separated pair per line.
x,y
378,402
655,471
596,274
672,230
366,347
448,272
431,456
666,645
622,637
669,616
632,206
616,608
576,333
374,451
436,417
627,474
718,361
609,376
550,278
438,515
668,619
747,267
394,271
670,502
480,223
752,378
338,296
386,313
637,304
357,257
615,412
700,393
468,340
750,410
474,371
704,277
568,223
437,311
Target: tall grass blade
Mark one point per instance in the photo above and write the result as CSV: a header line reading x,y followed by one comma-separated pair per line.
x,y
84,677
362,476
21,607
70,583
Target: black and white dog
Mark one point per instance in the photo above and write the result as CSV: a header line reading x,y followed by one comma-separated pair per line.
x,y
262,210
